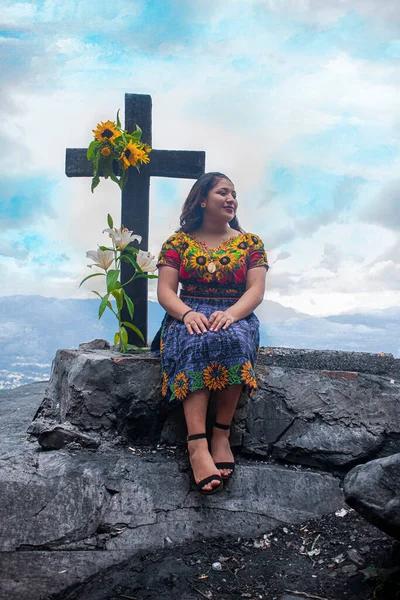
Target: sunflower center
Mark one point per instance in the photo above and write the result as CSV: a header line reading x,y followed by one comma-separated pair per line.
x,y
201,260
127,153
225,260
107,133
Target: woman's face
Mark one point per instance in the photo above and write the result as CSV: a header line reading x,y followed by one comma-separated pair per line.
x,y
221,201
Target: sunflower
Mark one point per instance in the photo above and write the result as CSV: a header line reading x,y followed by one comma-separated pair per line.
x,y
106,151
227,263
215,376
207,277
248,375
106,132
132,154
198,261
181,386
164,384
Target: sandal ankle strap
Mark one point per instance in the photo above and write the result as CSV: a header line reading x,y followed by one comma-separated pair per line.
x,y
196,436
220,426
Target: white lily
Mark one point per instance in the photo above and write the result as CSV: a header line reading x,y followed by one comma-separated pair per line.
x,y
146,261
122,237
101,258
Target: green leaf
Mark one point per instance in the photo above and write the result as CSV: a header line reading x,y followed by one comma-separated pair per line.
x,y
118,295
91,151
134,328
124,335
117,338
124,179
112,277
106,248
131,249
95,183
129,258
125,258
103,305
114,177
118,125
110,221
142,275
97,294
89,276
129,304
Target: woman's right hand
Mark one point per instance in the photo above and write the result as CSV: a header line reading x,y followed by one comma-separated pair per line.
x,y
196,322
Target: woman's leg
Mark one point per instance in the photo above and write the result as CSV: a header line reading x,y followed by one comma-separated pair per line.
x,y
195,409
226,402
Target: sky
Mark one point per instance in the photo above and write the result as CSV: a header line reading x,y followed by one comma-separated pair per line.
x,y
297,101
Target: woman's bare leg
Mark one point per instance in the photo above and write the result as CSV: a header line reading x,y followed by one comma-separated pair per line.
x,y
226,402
195,409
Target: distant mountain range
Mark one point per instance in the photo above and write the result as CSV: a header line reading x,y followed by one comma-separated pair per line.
x,y
32,328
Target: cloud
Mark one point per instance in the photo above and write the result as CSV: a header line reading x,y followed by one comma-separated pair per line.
x,y
385,208
332,258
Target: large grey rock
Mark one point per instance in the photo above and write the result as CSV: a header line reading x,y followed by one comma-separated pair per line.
x,y
373,490
68,514
322,418
312,416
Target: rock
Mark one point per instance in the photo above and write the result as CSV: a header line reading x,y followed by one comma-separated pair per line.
x,y
96,344
59,436
100,508
317,443
373,490
320,417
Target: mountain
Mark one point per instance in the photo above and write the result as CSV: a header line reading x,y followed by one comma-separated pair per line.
x,y
32,328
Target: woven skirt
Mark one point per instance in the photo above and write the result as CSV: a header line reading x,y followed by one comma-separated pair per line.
x,y
212,360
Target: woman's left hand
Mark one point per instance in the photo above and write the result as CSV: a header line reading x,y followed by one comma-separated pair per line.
x,y
221,318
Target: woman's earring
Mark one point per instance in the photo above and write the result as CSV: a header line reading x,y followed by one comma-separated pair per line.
x,y
203,205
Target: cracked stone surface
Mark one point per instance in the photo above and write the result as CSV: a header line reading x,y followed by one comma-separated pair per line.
x,y
305,411
112,490
70,513
373,490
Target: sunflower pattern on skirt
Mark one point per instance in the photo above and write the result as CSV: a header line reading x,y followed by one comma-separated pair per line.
x,y
215,360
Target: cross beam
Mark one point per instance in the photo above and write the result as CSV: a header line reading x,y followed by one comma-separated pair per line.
x,y
186,164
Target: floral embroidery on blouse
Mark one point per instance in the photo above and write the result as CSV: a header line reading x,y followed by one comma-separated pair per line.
x,y
232,258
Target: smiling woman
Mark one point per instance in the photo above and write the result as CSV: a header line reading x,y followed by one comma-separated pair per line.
x,y
209,336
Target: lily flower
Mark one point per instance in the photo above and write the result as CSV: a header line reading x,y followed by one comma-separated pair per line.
x,y
101,258
122,237
146,261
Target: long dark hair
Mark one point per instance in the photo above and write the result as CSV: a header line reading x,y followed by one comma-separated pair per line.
x,y
192,214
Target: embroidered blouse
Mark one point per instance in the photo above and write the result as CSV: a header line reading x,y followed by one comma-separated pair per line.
x,y
205,271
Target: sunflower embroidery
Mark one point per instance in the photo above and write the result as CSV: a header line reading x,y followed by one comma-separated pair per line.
x,y
248,374
164,384
181,386
207,277
198,261
215,376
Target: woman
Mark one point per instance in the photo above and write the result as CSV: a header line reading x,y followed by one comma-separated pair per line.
x,y
210,335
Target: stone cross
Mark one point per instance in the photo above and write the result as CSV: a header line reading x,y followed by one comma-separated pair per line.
x,y
186,164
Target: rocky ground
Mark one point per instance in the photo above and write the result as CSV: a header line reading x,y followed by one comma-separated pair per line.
x,y
339,556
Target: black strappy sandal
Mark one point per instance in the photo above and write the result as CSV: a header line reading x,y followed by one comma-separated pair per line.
x,y
203,482
225,465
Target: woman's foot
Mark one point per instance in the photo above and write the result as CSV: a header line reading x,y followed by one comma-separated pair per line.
x,y
202,464
221,450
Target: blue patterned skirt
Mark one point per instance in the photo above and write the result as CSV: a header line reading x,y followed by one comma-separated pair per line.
x,y
212,360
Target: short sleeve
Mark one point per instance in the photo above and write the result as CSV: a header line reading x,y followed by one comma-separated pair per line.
x,y
170,253
257,257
